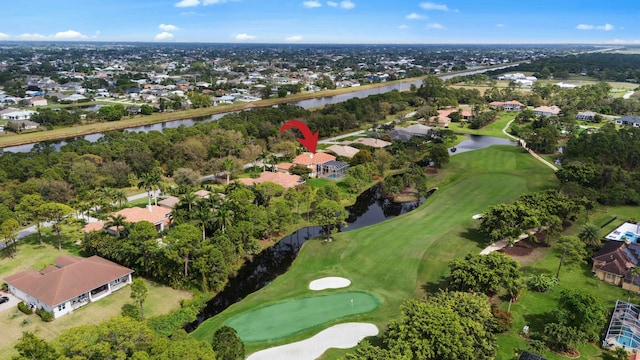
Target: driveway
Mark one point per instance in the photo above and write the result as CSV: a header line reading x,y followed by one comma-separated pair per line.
x,y
12,304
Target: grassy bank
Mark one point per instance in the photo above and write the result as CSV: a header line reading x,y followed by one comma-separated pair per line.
x,y
400,258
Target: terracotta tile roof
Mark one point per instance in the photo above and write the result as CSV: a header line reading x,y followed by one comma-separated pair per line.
x,y
285,166
94,226
135,214
308,158
282,179
59,285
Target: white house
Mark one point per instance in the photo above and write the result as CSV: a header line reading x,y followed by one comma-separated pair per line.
x,y
72,283
38,101
633,120
17,114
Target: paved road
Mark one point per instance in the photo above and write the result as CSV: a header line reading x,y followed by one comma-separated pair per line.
x,y
628,94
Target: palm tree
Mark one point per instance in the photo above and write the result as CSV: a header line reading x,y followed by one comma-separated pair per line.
x,y
119,197
149,182
590,234
228,164
273,160
224,216
263,157
189,199
203,215
117,221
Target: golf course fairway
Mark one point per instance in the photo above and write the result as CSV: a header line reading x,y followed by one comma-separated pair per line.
x,y
283,319
404,257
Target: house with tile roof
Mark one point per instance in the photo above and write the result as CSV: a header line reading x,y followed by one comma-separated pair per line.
x,y
547,111
613,263
283,179
512,105
157,215
71,283
343,150
312,161
371,142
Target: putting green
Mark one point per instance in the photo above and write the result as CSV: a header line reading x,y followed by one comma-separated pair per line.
x,y
283,319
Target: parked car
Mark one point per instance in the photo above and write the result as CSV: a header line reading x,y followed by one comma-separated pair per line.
x,y
3,299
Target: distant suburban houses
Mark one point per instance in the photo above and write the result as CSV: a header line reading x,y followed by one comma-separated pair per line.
x,y
69,284
547,111
512,105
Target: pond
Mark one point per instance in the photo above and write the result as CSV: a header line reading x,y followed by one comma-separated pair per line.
x,y
476,142
371,207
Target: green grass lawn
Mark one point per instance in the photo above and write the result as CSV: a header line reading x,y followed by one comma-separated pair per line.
x,y
31,255
493,129
283,319
401,258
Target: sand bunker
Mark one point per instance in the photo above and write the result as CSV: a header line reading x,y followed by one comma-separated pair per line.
x,y
331,282
341,336
477,216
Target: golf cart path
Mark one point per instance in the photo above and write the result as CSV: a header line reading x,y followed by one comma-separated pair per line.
x,y
524,145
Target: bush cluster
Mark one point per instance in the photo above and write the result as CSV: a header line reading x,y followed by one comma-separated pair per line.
x,y
24,308
45,315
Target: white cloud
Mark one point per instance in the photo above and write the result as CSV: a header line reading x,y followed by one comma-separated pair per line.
x,y
3,36
187,3
347,4
69,35
311,4
294,38
332,3
167,27
244,37
432,6
414,16
605,27
501,25
164,36
402,27
436,26
26,36
213,2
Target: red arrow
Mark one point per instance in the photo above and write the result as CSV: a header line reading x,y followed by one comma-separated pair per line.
x,y
309,140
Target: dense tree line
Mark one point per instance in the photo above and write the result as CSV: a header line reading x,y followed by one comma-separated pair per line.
x,y
443,326
603,166
603,66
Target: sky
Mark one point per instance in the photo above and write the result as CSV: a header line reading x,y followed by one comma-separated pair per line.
x,y
322,22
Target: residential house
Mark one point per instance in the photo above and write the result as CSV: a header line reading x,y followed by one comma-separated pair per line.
x,y
633,120
371,142
512,105
169,202
17,114
525,355
20,125
283,179
547,111
72,283
38,101
157,215
343,150
613,263
586,116
312,161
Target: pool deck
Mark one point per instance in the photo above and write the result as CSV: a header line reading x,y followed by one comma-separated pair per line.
x,y
621,230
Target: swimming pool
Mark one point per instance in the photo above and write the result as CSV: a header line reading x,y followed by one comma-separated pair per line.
x,y
633,237
628,339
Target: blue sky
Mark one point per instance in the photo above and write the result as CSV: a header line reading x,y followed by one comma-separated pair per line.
x,y
321,21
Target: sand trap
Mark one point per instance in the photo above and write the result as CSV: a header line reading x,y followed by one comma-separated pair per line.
x,y
331,282
341,336
477,216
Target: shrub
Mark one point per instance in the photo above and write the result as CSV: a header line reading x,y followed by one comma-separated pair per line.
x,y
503,320
24,308
132,311
541,283
46,316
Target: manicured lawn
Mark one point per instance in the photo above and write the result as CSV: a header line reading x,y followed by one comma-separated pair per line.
x,y
287,318
160,299
493,129
401,258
